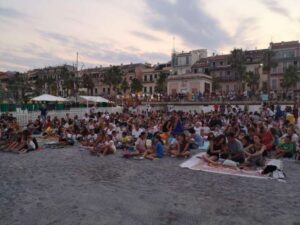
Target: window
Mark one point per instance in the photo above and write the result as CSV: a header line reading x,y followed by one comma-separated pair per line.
x,y
108,90
214,64
96,91
206,71
145,78
187,60
155,76
103,90
145,89
150,90
221,63
151,77
195,70
228,73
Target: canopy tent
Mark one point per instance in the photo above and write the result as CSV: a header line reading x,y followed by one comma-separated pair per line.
x,y
49,98
98,99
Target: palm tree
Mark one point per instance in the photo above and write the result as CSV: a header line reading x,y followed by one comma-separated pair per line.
x,y
112,77
290,78
88,83
252,80
136,85
268,63
161,83
237,61
69,80
124,86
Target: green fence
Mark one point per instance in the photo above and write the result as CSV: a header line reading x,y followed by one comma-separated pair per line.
x,y
36,107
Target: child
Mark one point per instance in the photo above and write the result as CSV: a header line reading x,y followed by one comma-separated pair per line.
x,y
158,148
183,146
285,149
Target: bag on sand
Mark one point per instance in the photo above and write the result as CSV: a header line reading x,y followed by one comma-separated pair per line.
x,y
275,169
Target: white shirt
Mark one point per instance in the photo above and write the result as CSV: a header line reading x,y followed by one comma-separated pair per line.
x,y
137,133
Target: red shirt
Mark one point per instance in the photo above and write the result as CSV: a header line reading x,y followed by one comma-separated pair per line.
x,y
267,139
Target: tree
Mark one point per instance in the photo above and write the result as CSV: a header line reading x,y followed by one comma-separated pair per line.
x,y
18,87
237,61
252,80
88,83
124,85
161,83
39,86
215,84
112,77
290,78
269,62
69,80
136,85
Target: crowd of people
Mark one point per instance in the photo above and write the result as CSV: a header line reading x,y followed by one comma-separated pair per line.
x,y
235,135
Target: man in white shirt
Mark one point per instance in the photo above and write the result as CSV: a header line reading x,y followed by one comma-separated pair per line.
x,y
136,131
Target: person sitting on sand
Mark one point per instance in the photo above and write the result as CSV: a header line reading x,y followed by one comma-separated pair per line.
x,y
19,146
98,145
216,147
157,151
108,146
254,153
196,139
286,149
235,148
183,149
140,145
172,144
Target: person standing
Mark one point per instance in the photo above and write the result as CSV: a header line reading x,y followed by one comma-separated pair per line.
x,y
44,112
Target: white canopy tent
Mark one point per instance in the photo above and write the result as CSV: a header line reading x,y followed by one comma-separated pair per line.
x,y
98,99
49,98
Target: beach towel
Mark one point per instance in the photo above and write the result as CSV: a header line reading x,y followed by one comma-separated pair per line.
x,y
196,163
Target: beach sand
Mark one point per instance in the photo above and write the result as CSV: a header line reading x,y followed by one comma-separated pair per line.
x,y
70,187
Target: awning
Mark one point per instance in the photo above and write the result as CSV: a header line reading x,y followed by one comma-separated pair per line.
x,y
49,98
95,99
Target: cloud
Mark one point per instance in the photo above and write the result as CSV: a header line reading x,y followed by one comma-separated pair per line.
x,y
274,6
91,53
23,62
11,13
188,21
55,36
148,37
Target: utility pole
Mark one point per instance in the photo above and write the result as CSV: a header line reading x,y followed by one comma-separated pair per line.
x,y
76,77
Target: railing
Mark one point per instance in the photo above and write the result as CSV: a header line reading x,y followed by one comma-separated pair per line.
x,y
23,116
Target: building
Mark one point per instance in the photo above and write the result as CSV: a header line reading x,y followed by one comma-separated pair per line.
x,y
182,62
285,54
54,74
219,68
189,84
129,72
151,75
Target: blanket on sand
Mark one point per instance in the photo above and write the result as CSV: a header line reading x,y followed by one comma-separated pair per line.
x,y
196,163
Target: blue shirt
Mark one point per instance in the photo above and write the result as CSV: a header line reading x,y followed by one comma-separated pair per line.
x,y
198,140
159,148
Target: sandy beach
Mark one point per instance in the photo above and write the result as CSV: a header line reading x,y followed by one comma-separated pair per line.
x,y
70,187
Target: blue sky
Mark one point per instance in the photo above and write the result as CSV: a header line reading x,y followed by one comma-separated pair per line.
x,y
38,33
